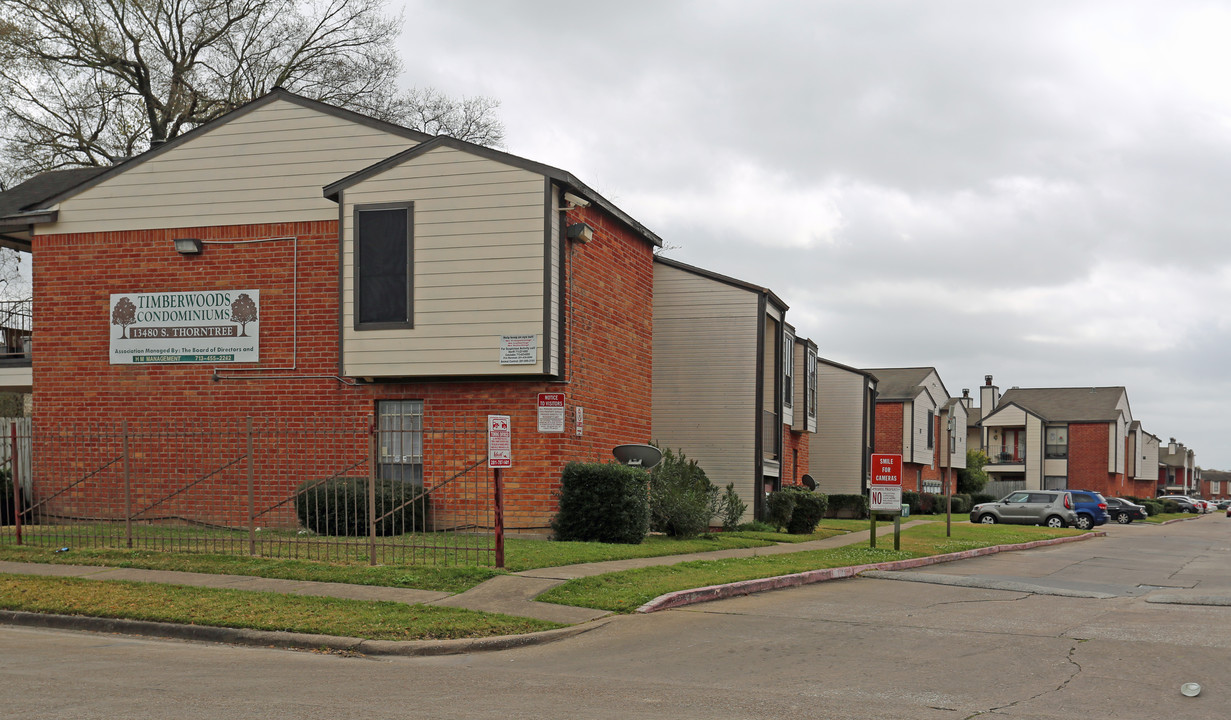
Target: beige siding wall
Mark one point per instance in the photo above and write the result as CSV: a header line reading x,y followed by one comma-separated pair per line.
x,y
1147,465
1055,466
835,453
704,396
478,267
16,379
267,166
1034,453
920,452
958,458
1008,417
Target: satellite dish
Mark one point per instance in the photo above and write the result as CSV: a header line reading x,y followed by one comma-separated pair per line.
x,y
642,456
809,482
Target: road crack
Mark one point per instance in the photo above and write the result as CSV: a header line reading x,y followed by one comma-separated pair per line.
x,y
1076,670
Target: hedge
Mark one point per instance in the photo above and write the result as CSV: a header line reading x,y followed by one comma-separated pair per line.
x,y
602,503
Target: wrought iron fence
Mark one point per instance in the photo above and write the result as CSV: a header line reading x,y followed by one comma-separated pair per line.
x,y
399,492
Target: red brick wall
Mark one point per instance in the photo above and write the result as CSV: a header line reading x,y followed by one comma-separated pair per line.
x,y
794,456
1087,465
888,428
607,364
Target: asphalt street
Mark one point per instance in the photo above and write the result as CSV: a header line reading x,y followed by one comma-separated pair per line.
x,y
1108,628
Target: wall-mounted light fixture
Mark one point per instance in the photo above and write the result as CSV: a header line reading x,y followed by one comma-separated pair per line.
x,y
580,232
187,246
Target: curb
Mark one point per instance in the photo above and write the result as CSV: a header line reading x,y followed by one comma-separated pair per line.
x,y
680,598
290,640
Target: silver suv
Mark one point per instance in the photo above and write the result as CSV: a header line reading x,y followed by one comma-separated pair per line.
x,y
1053,508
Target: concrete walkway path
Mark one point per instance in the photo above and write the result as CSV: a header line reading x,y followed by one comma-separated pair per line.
x,y
508,594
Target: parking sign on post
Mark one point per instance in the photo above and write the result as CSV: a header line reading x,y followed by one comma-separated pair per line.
x,y
885,493
499,456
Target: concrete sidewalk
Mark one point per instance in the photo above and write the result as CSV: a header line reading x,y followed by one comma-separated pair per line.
x,y
507,594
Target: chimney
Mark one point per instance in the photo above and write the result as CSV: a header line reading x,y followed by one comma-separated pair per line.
x,y
966,399
989,395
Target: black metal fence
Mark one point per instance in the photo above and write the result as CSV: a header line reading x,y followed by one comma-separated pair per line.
x,y
399,492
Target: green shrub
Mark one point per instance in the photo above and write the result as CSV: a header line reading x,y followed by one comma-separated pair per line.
x,y
1171,506
979,498
853,506
1153,507
809,509
682,498
602,503
911,499
731,508
779,506
339,507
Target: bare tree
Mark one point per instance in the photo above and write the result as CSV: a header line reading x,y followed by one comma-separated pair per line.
x,y
89,82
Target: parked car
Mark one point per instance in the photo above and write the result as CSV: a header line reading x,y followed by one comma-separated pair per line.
x,y
1053,508
1091,508
1186,503
1223,504
1124,512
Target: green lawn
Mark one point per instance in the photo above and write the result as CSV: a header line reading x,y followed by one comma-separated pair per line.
x,y
258,610
627,590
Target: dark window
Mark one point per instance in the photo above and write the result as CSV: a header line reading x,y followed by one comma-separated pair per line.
x,y
931,428
810,390
383,278
788,370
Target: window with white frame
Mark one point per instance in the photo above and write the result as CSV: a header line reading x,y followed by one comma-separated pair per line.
x,y
1056,442
400,440
810,382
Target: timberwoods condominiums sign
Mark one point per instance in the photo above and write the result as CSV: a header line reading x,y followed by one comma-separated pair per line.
x,y
215,326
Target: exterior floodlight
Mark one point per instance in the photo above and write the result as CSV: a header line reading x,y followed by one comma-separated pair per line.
x,y
580,232
187,246
642,456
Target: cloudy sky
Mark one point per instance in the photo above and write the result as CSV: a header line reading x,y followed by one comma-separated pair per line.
x,y
1039,191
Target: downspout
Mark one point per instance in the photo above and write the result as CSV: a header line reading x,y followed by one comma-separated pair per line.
x,y
758,457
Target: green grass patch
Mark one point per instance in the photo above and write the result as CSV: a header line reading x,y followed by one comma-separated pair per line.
x,y
784,537
627,590
256,610
419,577
523,554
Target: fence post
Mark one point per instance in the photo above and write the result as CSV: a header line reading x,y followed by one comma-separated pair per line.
x,y
128,498
251,495
499,519
372,496
16,484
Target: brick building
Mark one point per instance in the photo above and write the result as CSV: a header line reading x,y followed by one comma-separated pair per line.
x,y
294,261
911,407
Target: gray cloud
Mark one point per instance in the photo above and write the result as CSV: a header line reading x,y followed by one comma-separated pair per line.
x,y
1033,190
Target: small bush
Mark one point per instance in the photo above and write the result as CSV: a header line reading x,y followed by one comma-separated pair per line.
x,y
1153,507
682,498
850,506
339,507
731,508
809,509
779,506
979,498
602,503
911,499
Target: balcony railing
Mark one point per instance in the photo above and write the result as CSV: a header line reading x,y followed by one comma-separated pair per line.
x,y
16,329
1009,457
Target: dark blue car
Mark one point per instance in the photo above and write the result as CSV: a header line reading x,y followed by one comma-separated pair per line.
x,y
1091,509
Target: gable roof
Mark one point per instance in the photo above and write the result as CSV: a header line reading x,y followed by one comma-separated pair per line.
x,y
334,190
32,194
269,97
726,280
901,383
1094,404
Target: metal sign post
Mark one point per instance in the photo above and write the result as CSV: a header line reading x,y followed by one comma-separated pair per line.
x,y
499,456
885,493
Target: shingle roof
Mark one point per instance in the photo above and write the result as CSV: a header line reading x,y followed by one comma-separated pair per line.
x,y
1091,404
30,194
899,383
